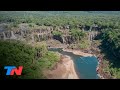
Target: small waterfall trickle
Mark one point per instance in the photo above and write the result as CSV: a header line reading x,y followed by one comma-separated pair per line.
x,y
12,35
4,36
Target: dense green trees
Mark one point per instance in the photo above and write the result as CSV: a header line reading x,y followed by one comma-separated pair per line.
x,y
111,39
80,38
111,48
77,34
57,33
33,59
71,18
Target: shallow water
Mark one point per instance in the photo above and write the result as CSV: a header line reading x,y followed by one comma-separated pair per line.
x,y
85,66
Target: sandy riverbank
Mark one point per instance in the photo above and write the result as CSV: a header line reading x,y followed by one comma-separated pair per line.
x,y
78,52
64,69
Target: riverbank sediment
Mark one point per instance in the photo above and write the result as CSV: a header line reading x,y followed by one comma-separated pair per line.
x,y
101,63
99,57
78,52
64,69
100,68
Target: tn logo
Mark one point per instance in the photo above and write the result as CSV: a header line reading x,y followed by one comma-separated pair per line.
x,y
11,70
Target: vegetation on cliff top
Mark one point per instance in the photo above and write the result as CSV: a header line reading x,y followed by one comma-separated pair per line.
x,y
33,59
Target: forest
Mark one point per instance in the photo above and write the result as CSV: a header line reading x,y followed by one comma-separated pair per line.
x,y
33,59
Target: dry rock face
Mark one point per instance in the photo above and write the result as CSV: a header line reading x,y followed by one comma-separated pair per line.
x,y
37,34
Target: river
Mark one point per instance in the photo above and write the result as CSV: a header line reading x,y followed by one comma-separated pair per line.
x,y
85,66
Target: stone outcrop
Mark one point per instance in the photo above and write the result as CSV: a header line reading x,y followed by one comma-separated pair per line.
x,y
41,33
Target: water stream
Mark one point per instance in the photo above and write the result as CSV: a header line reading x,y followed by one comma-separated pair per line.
x,y
85,66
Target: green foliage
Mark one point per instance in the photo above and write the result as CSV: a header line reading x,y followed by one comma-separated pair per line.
x,y
115,72
33,59
84,44
16,54
111,39
57,33
31,25
61,18
40,49
77,34
111,46
49,60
